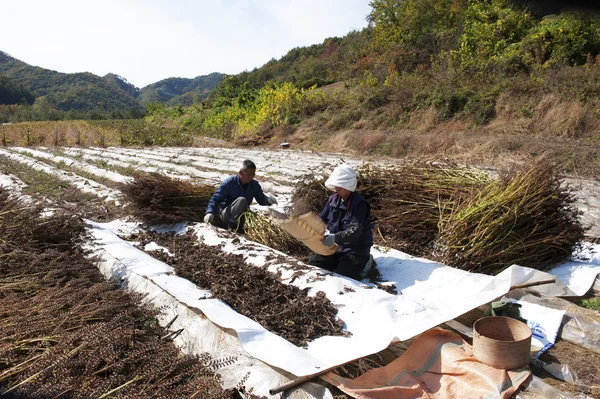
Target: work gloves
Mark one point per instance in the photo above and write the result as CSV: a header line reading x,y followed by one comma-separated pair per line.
x,y
208,218
329,240
271,200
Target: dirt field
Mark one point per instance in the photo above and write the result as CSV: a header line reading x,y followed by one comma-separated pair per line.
x,y
81,179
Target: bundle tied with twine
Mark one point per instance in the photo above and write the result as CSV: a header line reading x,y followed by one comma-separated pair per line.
x,y
525,217
159,199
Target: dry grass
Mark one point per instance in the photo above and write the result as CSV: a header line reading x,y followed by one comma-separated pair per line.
x,y
57,133
554,117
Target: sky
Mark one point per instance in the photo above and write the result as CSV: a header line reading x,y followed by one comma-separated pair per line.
x,y
147,41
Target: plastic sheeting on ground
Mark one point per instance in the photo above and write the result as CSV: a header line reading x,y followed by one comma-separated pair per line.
x,y
429,294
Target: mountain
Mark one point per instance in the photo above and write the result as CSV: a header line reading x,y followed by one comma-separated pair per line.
x,y
13,93
85,91
67,91
122,84
180,90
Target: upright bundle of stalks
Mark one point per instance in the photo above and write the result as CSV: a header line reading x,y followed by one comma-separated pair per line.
x,y
524,218
262,229
310,195
158,199
408,201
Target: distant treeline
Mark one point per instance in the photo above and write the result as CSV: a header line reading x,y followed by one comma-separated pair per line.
x,y
43,112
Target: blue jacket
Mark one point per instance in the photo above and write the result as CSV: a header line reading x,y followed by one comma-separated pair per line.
x,y
350,221
230,189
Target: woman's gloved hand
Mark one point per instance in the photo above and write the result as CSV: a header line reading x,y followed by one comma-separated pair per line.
x,y
328,240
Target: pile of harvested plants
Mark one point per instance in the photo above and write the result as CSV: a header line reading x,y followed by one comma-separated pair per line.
x,y
408,201
251,291
260,228
159,199
310,195
525,217
66,332
463,218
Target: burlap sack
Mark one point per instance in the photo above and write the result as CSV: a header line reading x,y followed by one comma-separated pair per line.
x,y
308,228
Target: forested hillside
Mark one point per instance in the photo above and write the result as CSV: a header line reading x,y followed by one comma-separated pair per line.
x,y
77,91
182,91
13,93
87,96
421,65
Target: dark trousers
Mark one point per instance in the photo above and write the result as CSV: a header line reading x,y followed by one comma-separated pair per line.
x,y
348,264
230,216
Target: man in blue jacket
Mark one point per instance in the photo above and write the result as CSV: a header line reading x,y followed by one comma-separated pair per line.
x,y
348,218
234,196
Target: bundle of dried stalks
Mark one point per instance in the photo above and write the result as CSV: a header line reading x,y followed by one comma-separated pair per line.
x,y
260,228
408,201
159,199
526,217
310,195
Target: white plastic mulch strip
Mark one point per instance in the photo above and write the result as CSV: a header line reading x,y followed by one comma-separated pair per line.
x,y
179,301
85,185
580,273
157,163
575,277
43,153
429,294
11,183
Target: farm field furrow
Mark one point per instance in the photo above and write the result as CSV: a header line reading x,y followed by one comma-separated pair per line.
x,y
210,166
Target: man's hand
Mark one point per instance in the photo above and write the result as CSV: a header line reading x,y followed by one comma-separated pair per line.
x,y
328,240
208,218
271,200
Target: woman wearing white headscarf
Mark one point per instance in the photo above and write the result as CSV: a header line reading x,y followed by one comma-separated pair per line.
x,y
348,219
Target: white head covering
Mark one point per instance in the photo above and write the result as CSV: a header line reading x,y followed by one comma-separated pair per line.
x,y
343,176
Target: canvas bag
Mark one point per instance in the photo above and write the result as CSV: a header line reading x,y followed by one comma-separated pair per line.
x,y
308,228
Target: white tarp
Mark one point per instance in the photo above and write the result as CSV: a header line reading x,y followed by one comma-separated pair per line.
x,y
429,294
